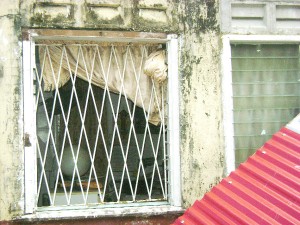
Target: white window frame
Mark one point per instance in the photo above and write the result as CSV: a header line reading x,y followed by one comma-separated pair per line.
x,y
227,93
30,181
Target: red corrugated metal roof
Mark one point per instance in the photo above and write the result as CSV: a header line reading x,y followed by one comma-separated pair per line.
x,y
263,190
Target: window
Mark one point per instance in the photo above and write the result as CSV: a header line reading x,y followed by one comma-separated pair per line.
x,y
99,131
265,90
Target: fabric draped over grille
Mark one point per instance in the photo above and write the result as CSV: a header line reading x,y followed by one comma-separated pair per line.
x,y
118,68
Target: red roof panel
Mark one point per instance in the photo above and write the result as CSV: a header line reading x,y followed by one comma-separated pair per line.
x,y
263,190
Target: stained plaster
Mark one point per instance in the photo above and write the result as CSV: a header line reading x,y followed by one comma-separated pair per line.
x,y
202,156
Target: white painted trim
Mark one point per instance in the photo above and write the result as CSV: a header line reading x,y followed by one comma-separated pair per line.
x,y
276,39
30,153
227,84
173,113
30,182
104,212
227,105
225,11
294,125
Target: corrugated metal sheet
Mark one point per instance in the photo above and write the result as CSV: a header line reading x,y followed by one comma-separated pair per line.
x,y
263,190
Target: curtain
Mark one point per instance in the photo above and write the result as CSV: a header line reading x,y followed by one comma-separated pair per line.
x,y
266,93
136,71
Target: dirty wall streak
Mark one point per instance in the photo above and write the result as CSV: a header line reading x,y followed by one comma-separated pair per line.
x,y
201,127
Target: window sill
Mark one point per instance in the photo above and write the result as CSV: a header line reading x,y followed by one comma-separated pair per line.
x,y
140,211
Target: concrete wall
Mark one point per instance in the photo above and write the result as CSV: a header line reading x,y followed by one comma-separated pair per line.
x,y
11,149
202,148
196,23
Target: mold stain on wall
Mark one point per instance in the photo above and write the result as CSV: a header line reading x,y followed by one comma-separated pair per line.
x,y
201,135
10,115
44,18
198,28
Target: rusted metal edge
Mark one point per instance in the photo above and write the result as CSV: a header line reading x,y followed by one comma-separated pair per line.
x,y
117,36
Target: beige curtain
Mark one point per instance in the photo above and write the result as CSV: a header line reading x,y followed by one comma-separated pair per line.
x,y
119,68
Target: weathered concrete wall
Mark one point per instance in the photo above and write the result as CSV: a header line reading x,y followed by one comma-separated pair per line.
x,y
202,150
11,155
196,23
143,15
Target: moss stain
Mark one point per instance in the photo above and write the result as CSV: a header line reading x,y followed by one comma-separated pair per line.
x,y
200,16
93,20
45,20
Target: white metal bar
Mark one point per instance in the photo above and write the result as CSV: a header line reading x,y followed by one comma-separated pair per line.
x,y
165,164
66,132
30,165
148,132
99,119
39,94
43,160
140,151
109,154
57,100
132,128
173,122
121,76
155,166
42,174
228,106
125,167
92,156
56,96
83,130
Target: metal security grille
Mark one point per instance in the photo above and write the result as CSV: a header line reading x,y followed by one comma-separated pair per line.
x,y
95,144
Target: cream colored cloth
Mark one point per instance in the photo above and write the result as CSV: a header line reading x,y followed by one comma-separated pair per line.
x,y
118,68
155,66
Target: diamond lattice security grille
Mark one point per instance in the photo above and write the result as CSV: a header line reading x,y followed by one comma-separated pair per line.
x,y
101,129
